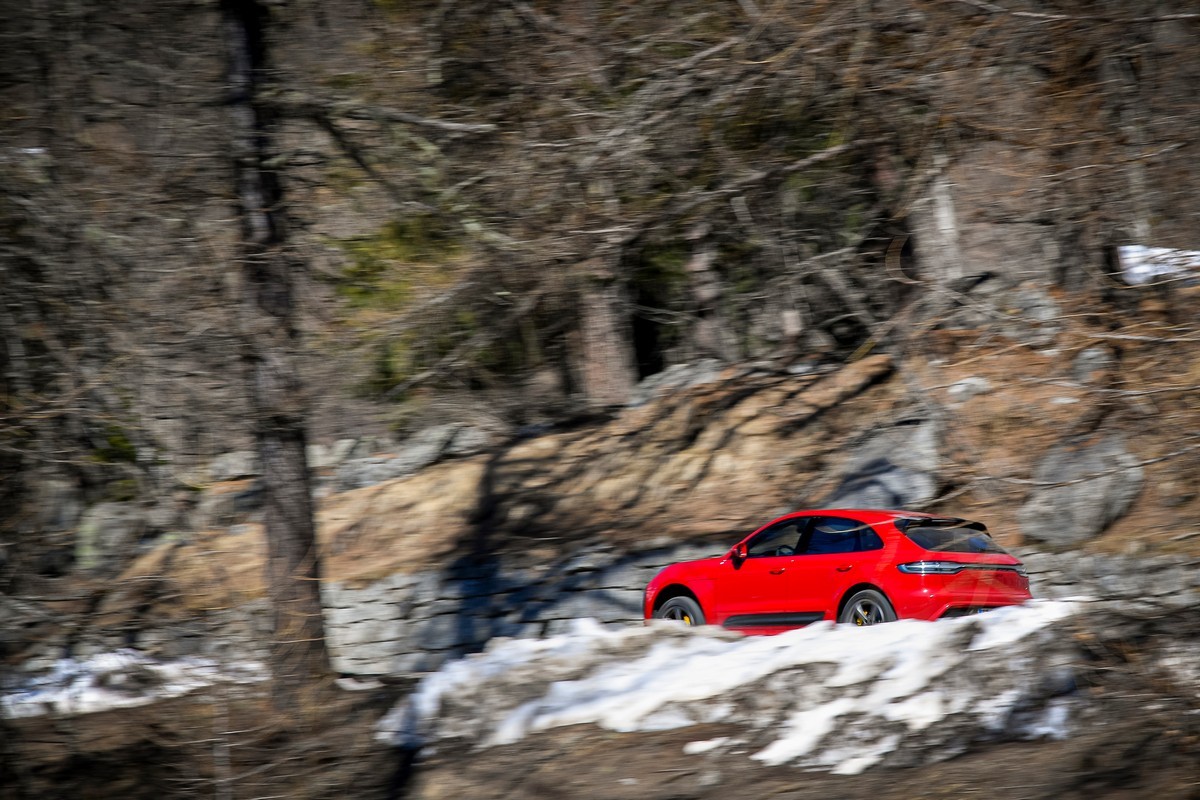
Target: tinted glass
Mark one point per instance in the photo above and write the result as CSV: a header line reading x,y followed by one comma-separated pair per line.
x,y
779,540
953,539
838,535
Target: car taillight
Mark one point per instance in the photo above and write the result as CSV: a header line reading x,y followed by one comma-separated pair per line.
x,y
932,567
955,567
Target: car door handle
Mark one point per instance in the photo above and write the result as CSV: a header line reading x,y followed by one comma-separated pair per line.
x,y
777,571
845,568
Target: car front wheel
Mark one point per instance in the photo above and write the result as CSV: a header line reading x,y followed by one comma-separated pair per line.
x,y
681,609
867,607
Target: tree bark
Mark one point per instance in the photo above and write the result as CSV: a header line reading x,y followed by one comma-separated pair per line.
x,y
711,334
607,371
298,654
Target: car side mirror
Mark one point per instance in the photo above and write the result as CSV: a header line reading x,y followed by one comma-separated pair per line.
x,y
738,553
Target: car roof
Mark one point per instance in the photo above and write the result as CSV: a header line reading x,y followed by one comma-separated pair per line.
x,y
868,514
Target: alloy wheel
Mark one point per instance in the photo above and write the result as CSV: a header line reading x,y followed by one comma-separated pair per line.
x,y
867,612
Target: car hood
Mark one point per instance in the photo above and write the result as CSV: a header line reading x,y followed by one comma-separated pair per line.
x,y
699,565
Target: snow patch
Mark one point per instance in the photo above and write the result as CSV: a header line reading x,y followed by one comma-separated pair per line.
x,y
120,679
700,747
1008,625
829,696
1142,264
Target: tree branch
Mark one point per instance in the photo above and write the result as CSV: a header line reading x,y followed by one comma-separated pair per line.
x,y
992,8
298,104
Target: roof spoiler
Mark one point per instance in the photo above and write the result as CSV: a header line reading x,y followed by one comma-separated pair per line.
x,y
904,523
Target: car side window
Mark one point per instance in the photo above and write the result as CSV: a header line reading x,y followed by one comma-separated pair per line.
x,y
777,540
840,535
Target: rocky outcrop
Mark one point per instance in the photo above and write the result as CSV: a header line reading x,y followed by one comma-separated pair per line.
x,y
891,466
677,376
426,447
1151,585
227,503
413,622
1081,488
695,459
557,524
107,533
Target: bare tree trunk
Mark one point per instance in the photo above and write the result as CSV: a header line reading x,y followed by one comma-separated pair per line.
x,y
298,654
607,369
711,333
936,226
13,470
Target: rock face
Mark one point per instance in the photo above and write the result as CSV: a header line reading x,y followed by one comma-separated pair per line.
x,y
1146,585
1034,317
891,467
427,447
1086,486
59,504
678,376
414,622
693,461
531,534
1091,363
227,503
234,465
106,534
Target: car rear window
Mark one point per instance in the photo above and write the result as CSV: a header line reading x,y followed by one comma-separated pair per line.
x,y
964,537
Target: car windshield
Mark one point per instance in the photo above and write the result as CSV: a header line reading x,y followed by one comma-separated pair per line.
x,y
957,536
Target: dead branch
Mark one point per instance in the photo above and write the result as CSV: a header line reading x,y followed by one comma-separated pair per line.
x,y
1036,16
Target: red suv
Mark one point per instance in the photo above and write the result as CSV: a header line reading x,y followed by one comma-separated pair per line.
x,y
860,566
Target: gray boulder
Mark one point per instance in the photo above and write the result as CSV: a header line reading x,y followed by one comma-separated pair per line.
x,y
468,441
230,466
964,390
318,456
1090,363
59,503
891,467
1031,316
423,448
674,378
1083,487
342,449
228,504
108,535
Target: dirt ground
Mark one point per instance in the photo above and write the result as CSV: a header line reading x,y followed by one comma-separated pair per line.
x,y
1135,756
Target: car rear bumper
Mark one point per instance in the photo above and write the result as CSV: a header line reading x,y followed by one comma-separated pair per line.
x,y
932,597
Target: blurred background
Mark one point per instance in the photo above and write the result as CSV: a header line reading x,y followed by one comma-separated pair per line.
x,y
340,338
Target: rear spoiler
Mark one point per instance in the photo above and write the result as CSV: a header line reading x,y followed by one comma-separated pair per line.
x,y
904,523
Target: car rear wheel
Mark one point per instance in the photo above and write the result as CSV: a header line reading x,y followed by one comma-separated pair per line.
x,y
867,607
681,609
